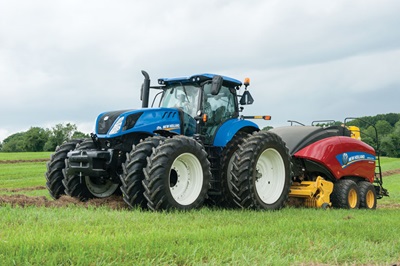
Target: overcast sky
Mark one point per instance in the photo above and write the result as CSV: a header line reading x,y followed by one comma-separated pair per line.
x,y
68,61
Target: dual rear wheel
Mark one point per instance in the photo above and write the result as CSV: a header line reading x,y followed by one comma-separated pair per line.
x,y
348,194
166,173
261,173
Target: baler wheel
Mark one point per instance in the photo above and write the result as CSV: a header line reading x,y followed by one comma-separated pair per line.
x,y
177,175
55,166
367,195
261,175
87,187
132,175
346,194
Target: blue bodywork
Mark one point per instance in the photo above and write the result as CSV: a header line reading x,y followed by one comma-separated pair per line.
x,y
229,128
147,121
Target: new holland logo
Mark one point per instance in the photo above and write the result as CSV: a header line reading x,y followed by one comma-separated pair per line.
x,y
347,158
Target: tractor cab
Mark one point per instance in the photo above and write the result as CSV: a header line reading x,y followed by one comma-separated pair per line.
x,y
206,101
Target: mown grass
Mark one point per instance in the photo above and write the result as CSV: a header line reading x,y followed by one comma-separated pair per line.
x,y
8,156
78,236
22,175
390,163
102,236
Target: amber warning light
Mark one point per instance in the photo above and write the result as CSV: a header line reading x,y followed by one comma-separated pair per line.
x,y
246,82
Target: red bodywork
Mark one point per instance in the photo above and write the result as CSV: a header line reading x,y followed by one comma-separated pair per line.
x,y
342,156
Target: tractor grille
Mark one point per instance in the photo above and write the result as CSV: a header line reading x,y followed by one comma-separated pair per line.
x,y
106,121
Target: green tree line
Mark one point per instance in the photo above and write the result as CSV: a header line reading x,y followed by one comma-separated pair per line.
x,y
40,139
380,131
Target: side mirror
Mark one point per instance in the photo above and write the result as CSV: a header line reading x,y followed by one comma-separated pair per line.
x,y
216,85
246,98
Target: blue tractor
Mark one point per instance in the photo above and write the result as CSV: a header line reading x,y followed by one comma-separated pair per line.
x,y
178,155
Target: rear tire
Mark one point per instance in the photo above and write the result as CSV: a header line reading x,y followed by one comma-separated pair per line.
x,y
86,187
132,175
177,175
228,156
261,175
345,194
55,166
367,195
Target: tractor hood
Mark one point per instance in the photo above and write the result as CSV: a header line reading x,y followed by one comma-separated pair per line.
x,y
117,123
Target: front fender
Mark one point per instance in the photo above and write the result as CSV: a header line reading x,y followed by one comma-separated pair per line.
x,y
230,127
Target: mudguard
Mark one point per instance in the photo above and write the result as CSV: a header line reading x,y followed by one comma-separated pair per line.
x,y
229,128
342,156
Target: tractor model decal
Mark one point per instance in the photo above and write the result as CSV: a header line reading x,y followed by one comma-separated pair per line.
x,y
347,158
168,127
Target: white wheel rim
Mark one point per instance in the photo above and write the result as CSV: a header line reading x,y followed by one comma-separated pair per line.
x,y
102,190
186,179
270,179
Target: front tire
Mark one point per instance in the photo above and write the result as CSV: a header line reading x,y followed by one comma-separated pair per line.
x,y
132,175
55,166
345,194
177,175
261,172
87,187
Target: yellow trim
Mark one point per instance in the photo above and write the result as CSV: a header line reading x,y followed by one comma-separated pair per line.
x,y
370,199
317,193
352,198
355,132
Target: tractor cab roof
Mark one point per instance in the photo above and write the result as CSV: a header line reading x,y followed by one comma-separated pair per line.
x,y
200,78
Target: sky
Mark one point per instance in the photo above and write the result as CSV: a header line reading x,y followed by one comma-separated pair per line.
x,y
68,61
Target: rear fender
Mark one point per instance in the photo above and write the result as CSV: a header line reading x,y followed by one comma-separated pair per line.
x,y
229,128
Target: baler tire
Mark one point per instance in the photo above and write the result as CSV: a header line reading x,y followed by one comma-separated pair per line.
x,y
86,187
54,174
368,198
132,175
177,175
228,156
345,194
261,175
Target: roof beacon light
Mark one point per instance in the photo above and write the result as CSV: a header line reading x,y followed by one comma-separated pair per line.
x,y
246,82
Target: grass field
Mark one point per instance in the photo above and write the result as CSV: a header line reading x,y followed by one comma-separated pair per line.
x,y
89,235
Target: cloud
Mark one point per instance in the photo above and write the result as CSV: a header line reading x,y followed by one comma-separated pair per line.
x,y
70,60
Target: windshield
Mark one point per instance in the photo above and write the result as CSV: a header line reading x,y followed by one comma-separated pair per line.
x,y
181,96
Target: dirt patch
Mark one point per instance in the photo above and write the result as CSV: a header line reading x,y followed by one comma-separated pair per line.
x,y
22,189
23,161
391,172
114,202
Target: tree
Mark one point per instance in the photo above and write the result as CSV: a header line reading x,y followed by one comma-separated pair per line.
x,y
35,139
390,145
383,127
14,143
80,135
59,134
267,128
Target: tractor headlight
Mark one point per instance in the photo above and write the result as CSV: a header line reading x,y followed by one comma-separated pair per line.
x,y
117,126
